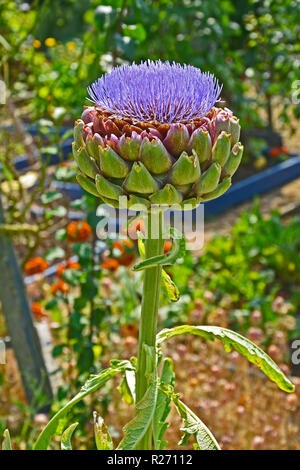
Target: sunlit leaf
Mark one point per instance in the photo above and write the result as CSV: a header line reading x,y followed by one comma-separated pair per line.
x,y
102,437
144,409
193,426
162,408
231,339
136,428
67,436
92,384
127,387
170,286
6,443
176,252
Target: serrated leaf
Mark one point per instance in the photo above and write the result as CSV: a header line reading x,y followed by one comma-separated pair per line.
x,y
231,339
127,387
170,286
66,437
177,251
6,443
102,437
136,428
162,408
93,383
193,426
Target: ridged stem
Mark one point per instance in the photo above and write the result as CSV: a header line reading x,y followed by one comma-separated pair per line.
x,y
150,303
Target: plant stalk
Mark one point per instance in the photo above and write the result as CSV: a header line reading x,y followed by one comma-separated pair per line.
x,y
150,304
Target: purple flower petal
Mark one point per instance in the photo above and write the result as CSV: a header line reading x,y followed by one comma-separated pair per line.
x,y
156,91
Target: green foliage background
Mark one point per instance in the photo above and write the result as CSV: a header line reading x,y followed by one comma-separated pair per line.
x,y
250,46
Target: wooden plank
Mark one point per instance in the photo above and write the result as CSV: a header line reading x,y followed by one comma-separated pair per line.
x,y
19,322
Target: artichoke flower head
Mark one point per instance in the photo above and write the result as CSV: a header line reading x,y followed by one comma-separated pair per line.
x,y
155,137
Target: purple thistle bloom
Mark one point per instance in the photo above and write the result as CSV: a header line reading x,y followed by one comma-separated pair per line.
x,y
156,91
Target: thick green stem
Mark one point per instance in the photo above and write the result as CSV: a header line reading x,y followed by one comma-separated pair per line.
x,y
154,245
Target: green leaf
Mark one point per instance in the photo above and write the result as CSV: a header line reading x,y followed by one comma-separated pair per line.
x,y
73,276
50,196
127,387
231,339
83,250
162,408
59,211
6,443
63,173
67,436
92,384
193,426
135,31
136,428
49,150
60,234
141,244
102,437
170,286
177,251
54,253
104,16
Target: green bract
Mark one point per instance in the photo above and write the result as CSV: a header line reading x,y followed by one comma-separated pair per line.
x,y
157,164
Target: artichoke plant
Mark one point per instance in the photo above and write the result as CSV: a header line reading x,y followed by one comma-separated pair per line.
x,y
155,136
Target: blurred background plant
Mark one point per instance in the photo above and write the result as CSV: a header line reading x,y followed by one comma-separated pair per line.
x,y
51,48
